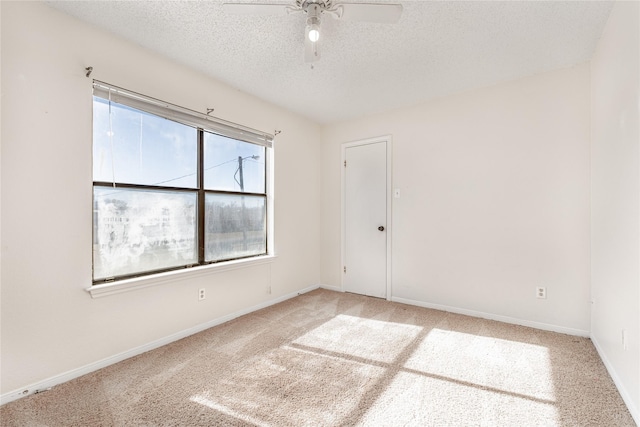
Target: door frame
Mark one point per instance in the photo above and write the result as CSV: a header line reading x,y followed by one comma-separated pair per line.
x,y
388,140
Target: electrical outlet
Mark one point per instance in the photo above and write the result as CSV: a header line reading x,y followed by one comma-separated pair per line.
x,y
541,292
201,294
625,346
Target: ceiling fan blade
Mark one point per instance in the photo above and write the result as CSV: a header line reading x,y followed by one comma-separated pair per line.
x,y
382,13
311,50
256,9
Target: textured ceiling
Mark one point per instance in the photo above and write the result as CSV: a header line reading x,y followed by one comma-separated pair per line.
x,y
437,48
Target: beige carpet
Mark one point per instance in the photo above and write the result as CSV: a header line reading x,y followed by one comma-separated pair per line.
x,y
333,359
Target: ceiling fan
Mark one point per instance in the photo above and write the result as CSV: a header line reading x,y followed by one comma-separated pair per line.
x,y
385,13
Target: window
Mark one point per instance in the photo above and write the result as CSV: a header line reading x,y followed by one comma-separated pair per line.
x,y
173,188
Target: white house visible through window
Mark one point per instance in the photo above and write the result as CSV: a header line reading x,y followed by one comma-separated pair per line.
x,y
172,188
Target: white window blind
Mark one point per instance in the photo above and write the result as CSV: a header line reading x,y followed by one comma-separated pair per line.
x,y
181,114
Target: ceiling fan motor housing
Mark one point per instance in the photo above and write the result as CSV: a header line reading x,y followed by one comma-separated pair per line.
x,y
312,5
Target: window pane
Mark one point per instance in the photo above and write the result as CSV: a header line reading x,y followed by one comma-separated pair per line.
x,y
232,165
133,147
235,226
142,230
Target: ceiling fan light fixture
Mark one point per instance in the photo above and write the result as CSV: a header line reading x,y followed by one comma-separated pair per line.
x,y
313,28
313,32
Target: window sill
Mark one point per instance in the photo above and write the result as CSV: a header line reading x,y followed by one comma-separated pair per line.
x,y
120,286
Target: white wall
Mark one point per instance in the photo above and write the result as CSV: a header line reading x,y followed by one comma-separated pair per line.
x,y
494,199
615,230
50,324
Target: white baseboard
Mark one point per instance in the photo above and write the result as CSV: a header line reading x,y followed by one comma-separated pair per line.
x,y
330,287
499,318
631,405
44,385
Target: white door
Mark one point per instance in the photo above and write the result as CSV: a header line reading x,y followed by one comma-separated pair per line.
x,y
365,218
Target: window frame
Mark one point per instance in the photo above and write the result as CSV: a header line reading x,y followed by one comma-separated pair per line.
x,y
203,123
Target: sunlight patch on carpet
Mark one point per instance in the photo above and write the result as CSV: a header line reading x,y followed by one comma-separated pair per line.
x,y
370,339
510,366
415,399
281,387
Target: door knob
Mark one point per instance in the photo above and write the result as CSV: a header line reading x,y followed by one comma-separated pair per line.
x,y
381,228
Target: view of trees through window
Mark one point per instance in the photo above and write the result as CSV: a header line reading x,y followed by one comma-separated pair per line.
x,y
150,189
